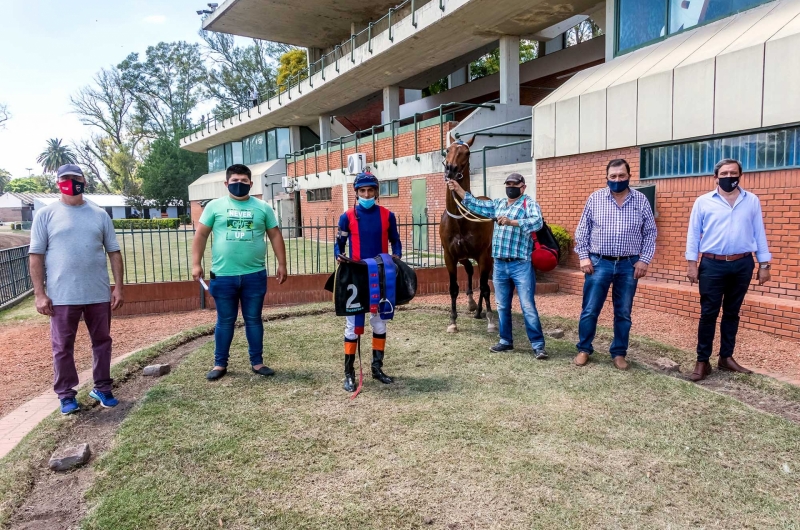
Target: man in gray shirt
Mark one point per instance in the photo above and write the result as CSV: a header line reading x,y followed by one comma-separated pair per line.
x,y
69,240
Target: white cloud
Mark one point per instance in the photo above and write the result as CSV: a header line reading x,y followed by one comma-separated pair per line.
x,y
155,19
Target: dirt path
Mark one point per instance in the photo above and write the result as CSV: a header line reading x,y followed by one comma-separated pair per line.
x,y
57,499
27,358
10,240
763,352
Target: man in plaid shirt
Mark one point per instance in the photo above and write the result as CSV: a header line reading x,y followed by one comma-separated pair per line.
x,y
517,218
615,241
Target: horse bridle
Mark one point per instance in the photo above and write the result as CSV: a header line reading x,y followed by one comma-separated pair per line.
x,y
465,213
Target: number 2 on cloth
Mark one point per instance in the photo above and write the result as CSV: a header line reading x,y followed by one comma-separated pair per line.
x,y
353,296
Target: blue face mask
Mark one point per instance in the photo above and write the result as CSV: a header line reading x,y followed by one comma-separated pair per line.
x,y
366,203
618,186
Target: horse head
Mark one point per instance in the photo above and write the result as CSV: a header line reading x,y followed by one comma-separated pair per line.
x,y
456,161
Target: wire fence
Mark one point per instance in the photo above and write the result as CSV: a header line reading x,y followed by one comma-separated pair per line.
x,y
15,278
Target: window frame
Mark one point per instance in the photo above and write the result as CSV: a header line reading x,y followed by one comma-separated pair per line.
x,y
667,34
315,191
721,138
389,183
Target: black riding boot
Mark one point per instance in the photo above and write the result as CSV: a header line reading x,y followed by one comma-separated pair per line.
x,y
349,373
377,364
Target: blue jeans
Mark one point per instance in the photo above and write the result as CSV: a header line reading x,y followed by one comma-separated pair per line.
x,y
519,274
595,290
228,291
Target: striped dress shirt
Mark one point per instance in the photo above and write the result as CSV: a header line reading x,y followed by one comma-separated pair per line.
x,y
609,229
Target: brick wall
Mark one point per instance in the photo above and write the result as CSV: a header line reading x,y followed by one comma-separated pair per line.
x,y
10,214
565,183
167,297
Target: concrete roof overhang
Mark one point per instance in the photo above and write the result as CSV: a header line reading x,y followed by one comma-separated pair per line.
x,y
439,38
308,23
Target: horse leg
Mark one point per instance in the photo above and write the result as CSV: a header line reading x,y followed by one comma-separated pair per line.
x,y
452,269
468,267
486,264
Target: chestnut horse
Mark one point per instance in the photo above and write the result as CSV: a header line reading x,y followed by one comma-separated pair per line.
x,y
463,239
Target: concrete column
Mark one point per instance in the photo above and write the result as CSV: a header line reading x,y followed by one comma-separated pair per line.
x,y
554,45
412,95
391,103
324,128
509,70
610,29
458,78
294,138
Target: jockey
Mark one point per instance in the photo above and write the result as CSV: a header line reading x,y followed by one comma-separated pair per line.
x,y
370,228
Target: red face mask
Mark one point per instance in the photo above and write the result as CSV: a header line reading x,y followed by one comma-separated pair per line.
x,y
71,187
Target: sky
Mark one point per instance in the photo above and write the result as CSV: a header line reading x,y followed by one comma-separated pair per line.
x,y
52,48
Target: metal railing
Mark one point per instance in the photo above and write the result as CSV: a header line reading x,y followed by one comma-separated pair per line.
x,y
15,277
372,135
165,255
343,51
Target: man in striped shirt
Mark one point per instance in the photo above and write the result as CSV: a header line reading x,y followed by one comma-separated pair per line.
x,y
615,241
517,218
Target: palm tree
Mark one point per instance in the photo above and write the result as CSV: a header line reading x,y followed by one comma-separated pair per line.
x,y
55,156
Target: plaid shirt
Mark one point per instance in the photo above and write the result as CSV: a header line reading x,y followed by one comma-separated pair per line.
x,y
608,229
509,241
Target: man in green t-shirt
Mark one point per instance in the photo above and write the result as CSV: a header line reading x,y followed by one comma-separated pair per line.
x,y
239,223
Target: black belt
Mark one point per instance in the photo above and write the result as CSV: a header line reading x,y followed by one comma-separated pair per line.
x,y
617,258
510,259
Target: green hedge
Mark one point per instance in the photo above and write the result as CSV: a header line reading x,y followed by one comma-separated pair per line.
x,y
564,240
138,224
185,219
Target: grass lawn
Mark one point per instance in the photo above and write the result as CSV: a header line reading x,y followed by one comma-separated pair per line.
x,y
22,313
463,439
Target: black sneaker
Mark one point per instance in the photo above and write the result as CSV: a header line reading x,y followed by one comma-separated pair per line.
x,y
539,355
500,347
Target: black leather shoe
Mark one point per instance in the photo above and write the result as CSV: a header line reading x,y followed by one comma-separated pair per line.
x,y
213,375
264,370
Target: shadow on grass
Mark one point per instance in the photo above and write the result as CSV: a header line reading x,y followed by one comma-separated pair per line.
x,y
427,385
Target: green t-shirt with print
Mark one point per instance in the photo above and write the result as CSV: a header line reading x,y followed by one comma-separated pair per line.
x,y
238,229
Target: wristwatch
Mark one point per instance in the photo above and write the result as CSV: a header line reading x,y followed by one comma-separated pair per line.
x,y
765,266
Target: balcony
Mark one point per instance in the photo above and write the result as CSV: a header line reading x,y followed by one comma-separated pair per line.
x,y
418,38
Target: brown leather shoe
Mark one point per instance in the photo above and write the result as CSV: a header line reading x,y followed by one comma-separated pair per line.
x,y
582,358
620,363
701,371
728,364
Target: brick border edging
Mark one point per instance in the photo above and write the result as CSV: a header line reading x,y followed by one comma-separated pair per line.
x,y
168,297
778,316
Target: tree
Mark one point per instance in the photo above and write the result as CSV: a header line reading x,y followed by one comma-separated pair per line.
x,y
292,63
236,70
490,63
37,184
166,87
5,178
582,32
167,172
4,115
55,156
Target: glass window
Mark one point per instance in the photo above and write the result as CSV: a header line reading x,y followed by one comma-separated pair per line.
x,y
777,149
216,159
308,138
272,145
257,145
236,151
389,188
320,194
228,155
284,145
641,21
